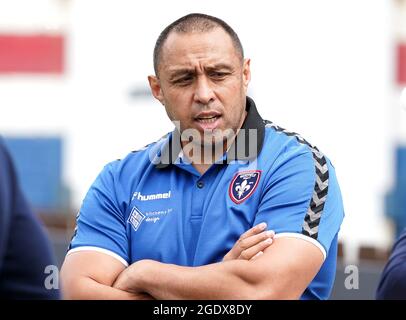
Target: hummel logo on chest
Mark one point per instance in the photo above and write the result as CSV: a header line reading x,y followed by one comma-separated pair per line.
x,y
147,197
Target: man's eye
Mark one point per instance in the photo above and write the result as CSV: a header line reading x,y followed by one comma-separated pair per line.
x,y
218,75
184,80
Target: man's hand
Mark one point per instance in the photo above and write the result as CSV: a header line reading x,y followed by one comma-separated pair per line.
x,y
251,243
130,279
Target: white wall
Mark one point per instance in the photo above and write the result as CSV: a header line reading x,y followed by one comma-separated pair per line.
x,y
320,68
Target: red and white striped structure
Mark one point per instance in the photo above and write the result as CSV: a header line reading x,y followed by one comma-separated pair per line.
x,y
400,81
32,37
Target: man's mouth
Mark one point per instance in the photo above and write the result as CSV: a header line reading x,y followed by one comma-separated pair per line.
x,y
209,119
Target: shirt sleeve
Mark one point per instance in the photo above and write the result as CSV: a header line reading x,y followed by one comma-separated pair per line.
x,y
302,198
100,222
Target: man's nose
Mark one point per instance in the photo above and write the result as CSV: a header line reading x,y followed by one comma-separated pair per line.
x,y
204,93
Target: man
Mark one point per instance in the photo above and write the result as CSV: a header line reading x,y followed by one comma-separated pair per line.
x,y
393,281
158,223
24,248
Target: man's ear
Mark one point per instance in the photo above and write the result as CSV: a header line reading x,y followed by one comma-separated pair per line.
x,y
156,90
246,73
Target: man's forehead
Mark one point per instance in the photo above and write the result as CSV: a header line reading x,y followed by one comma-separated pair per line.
x,y
175,38
212,48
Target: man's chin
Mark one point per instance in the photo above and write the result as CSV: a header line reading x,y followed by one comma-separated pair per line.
x,y
214,144
208,138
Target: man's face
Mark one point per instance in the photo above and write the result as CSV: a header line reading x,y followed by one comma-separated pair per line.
x,y
202,82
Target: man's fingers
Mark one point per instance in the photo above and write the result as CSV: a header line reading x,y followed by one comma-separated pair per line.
x,y
255,239
249,239
253,251
254,230
257,255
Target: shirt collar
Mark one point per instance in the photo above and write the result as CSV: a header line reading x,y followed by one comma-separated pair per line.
x,y
246,146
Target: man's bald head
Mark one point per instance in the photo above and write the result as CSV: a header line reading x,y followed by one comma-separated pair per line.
x,y
195,23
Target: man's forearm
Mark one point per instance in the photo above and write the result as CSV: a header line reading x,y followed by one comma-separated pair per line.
x,y
226,280
282,272
89,289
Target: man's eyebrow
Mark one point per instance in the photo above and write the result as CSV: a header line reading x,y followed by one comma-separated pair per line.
x,y
175,73
219,66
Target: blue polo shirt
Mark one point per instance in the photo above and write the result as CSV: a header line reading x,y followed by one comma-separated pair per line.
x,y
155,205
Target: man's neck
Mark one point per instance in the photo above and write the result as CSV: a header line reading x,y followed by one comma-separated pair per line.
x,y
206,156
201,168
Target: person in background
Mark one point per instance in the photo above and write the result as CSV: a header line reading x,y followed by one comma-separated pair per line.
x,y
25,251
392,284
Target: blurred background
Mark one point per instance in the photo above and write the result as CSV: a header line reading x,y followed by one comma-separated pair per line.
x,y
74,95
